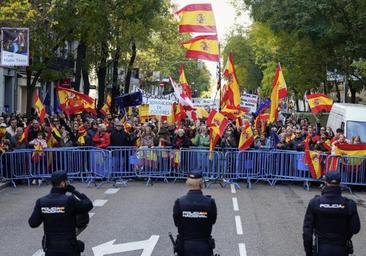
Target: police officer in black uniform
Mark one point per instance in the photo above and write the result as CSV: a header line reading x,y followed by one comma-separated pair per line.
x,y
194,214
333,220
62,215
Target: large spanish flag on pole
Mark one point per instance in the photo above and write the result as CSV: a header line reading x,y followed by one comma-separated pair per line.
x,y
279,91
72,102
41,111
186,89
231,95
246,138
197,18
204,47
319,101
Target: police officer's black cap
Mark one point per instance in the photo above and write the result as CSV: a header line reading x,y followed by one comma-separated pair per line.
x,y
58,176
195,175
333,178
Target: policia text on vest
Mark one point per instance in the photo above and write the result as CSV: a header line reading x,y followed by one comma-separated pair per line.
x,y
63,217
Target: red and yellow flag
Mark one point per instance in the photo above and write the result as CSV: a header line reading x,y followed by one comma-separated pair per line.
x,y
246,138
279,91
312,159
259,119
73,102
319,101
234,113
186,89
41,111
24,134
218,124
197,18
105,110
351,150
38,153
231,95
203,47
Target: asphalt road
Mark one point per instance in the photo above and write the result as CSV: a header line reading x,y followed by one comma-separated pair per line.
x,y
258,222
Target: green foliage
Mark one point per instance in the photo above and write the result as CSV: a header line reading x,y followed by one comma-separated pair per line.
x,y
332,32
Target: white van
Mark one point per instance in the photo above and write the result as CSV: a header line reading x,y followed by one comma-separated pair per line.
x,y
350,117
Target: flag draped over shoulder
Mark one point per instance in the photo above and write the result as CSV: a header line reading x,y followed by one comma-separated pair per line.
x,y
319,101
105,110
312,159
231,94
197,18
205,47
41,111
279,91
186,89
73,102
246,138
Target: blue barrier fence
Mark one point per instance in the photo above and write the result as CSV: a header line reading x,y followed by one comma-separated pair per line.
x,y
123,163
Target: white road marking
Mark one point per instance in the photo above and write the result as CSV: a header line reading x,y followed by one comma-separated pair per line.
x,y
242,249
233,189
99,202
91,214
239,228
40,252
111,191
110,248
235,204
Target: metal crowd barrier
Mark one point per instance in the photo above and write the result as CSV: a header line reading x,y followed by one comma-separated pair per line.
x,y
224,166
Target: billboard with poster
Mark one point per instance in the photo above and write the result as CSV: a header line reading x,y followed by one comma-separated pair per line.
x,y
14,47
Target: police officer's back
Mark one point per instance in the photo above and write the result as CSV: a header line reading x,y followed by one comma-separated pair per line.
x,y
61,216
194,214
333,220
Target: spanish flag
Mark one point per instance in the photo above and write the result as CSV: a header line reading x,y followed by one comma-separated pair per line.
x,y
203,47
105,110
234,113
231,95
259,119
41,111
186,89
72,102
246,138
351,150
24,134
197,18
319,101
279,91
312,159
218,124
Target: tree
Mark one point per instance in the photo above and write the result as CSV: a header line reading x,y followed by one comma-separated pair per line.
x,y
337,29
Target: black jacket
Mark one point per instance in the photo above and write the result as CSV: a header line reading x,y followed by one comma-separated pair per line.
x,y
119,138
59,212
194,214
333,218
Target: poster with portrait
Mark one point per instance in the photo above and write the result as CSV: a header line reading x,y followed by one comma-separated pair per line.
x,y
14,47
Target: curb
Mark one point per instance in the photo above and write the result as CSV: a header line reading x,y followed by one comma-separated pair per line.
x,y
4,185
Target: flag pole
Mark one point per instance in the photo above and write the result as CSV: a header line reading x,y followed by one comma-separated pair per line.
x,y
219,80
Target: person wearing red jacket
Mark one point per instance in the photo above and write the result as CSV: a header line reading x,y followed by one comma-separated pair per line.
x,y
102,137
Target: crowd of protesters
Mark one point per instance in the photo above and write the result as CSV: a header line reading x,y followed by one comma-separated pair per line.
x,y
114,130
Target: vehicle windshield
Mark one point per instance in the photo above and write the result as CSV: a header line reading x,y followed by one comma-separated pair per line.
x,y
356,128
